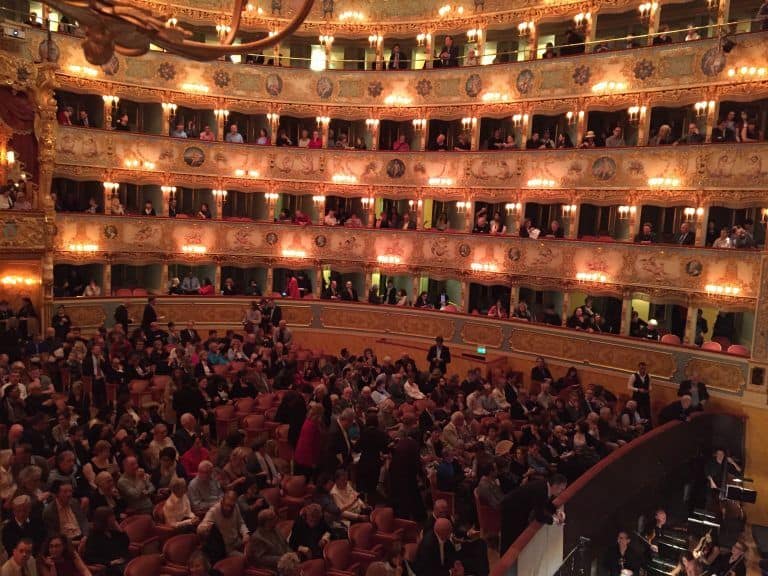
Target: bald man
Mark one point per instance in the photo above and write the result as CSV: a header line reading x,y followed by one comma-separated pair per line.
x,y
436,554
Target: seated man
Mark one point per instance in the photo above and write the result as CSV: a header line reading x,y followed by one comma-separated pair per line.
x,y
436,553
310,533
266,545
678,410
204,489
135,487
63,515
21,562
223,529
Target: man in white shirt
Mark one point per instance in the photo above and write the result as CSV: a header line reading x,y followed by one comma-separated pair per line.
x,y
225,516
21,562
233,135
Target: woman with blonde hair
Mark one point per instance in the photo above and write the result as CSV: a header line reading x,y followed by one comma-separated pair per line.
x,y
663,137
177,510
7,483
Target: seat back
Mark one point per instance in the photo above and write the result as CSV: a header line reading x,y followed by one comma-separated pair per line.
x,y
383,519
140,292
337,554
295,486
254,421
284,528
311,568
714,346
145,565
244,405
224,412
158,514
139,528
124,292
177,549
361,535
738,349
232,566
670,339
272,496
724,342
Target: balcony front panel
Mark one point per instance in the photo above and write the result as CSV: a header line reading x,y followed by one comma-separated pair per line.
x,y
604,174
667,70
663,271
721,372
24,232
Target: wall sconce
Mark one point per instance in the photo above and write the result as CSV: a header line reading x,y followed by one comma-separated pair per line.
x,y
495,97
746,72
111,188
16,280
326,40
171,22
702,107
463,206
582,20
416,203
647,9
10,158
367,202
626,211
389,259
375,40
240,173
513,208
323,121
446,9
318,201
483,267
398,100
525,29
591,278
610,86
659,182
519,119
83,70
344,179
713,5
194,249
192,87
221,113
219,195
475,34
81,248
273,117
168,191
635,112
573,117
169,107
135,164
440,181
271,198
722,290
111,100
351,15
371,124
469,122
223,29
692,214
423,38
419,124
569,210
291,253
540,183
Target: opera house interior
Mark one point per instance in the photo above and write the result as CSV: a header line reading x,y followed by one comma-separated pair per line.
x,y
355,288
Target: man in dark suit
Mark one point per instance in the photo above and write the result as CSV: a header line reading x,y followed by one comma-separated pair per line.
x,y
696,389
439,356
349,293
149,315
531,501
404,471
189,334
436,554
449,54
339,445
121,316
271,314
685,237
397,60
22,525
95,366
390,295
680,409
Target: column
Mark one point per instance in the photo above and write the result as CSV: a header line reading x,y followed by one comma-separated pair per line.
x,y
572,228
723,11
167,111
474,134
469,215
324,126
318,285
464,296
218,200
380,52
690,325
217,279
590,32
713,112
320,211
367,283
480,43
699,226
428,52
109,107
415,285
634,222
653,23
564,313
106,280
526,129
644,124
419,205
374,136
626,313
513,219
581,126
276,55
221,122
274,124
163,277
533,42
514,298
269,285
423,137
328,45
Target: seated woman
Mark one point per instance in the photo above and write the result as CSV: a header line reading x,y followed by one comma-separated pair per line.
x,y
177,510
310,533
107,544
352,508
59,558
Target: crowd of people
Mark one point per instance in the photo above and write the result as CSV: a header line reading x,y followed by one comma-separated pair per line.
x,y
84,455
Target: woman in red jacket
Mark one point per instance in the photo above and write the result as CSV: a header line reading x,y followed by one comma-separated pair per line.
x,y
306,457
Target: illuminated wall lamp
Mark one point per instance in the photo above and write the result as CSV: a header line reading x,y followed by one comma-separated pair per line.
x,y
635,112
389,259
83,247
344,179
375,40
436,181
192,87
273,117
582,19
702,107
658,182
19,280
325,40
423,38
475,34
351,15
495,97
747,72
569,210
419,124
367,202
194,249
469,122
483,267
169,107
513,207
371,124
83,70
463,206
271,198
111,188
764,215
573,117
110,100
219,195
722,290
323,121
397,100
240,173
692,214
540,183
647,9
223,29
591,277
609,86
10,158
171,22
168,190
292,253
626,211
414,203
318,201
519,119
221,113
526,28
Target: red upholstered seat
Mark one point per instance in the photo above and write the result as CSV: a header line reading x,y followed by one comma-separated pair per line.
x,y
145,565
177,550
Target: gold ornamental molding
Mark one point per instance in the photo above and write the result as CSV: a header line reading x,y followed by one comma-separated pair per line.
x,y
734,174
679,73
676,273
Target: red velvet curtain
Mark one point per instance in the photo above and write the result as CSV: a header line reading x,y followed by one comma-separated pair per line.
x,y
18,112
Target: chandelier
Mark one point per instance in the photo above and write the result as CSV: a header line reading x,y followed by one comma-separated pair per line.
x,y
124,27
